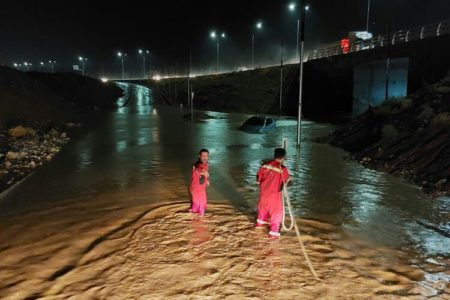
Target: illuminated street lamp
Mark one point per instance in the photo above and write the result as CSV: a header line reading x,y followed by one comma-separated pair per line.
x,y
16,66
215,37
292,7
302,17
258,26
143,53
83,60
52,64
121,56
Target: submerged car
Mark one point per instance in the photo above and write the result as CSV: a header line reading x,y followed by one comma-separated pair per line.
x,y
258,124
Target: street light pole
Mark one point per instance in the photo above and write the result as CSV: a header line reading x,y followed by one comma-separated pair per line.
x,y
258,26
121,55
52,63
368,15
143,53
123,70
253,47
215,37
300,78
298,33
217,64
83,60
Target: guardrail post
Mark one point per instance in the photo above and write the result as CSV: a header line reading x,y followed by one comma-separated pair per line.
x,y
438,31
421,32
407,35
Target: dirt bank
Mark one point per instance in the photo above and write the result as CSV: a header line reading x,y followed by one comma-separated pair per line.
x,y
255,91
406,137
38,113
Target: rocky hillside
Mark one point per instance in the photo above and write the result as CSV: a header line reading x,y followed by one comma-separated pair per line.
x,y
406,137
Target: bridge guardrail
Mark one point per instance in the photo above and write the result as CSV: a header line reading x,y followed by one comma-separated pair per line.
x,y
397,37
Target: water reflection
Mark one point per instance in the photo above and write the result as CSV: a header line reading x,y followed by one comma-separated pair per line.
x,y
141,144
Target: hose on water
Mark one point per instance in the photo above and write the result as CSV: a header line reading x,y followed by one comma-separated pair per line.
x,y
286,198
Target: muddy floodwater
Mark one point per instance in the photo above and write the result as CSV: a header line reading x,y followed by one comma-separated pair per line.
x,y
108,219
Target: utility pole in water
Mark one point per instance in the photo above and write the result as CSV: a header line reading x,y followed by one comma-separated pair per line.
x,y
300,77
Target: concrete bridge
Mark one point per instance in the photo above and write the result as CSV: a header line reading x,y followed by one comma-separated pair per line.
x,y
388,66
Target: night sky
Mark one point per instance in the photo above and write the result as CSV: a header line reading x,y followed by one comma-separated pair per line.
x,y
62,30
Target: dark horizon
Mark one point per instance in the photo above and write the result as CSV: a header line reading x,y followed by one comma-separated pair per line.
x,y
37,31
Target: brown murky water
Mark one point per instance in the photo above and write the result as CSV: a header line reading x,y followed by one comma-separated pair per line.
x,y
107,219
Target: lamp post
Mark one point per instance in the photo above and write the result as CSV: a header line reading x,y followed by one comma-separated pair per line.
x,y
52,64
259,26
83,60
121,56
216,38
143,53
302,15
292,7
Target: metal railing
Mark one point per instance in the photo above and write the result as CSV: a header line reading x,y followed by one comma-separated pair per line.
x,y
397,37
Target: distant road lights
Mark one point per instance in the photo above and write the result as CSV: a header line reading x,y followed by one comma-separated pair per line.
x,y
259,25
16,65
291,6
307,7
223,35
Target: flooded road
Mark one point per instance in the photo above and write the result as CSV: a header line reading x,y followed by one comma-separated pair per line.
x,y
107,218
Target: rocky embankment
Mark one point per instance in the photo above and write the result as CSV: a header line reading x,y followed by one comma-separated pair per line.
x,y
407,137
39,112
23,149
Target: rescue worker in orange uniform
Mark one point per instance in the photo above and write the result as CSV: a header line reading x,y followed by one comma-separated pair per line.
x,y
199,182
271,177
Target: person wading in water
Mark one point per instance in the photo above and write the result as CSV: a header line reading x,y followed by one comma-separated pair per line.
x,y
199,182
271,177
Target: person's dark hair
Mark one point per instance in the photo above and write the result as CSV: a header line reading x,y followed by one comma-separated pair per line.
x,y
279,153
203,150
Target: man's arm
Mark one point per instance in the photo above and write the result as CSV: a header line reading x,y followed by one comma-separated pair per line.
x,y
259,176
286,176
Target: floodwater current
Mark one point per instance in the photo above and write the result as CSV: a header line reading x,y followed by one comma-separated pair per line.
x,y
107,218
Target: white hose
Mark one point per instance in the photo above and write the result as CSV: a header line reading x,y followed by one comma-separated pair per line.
x,y
285,197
